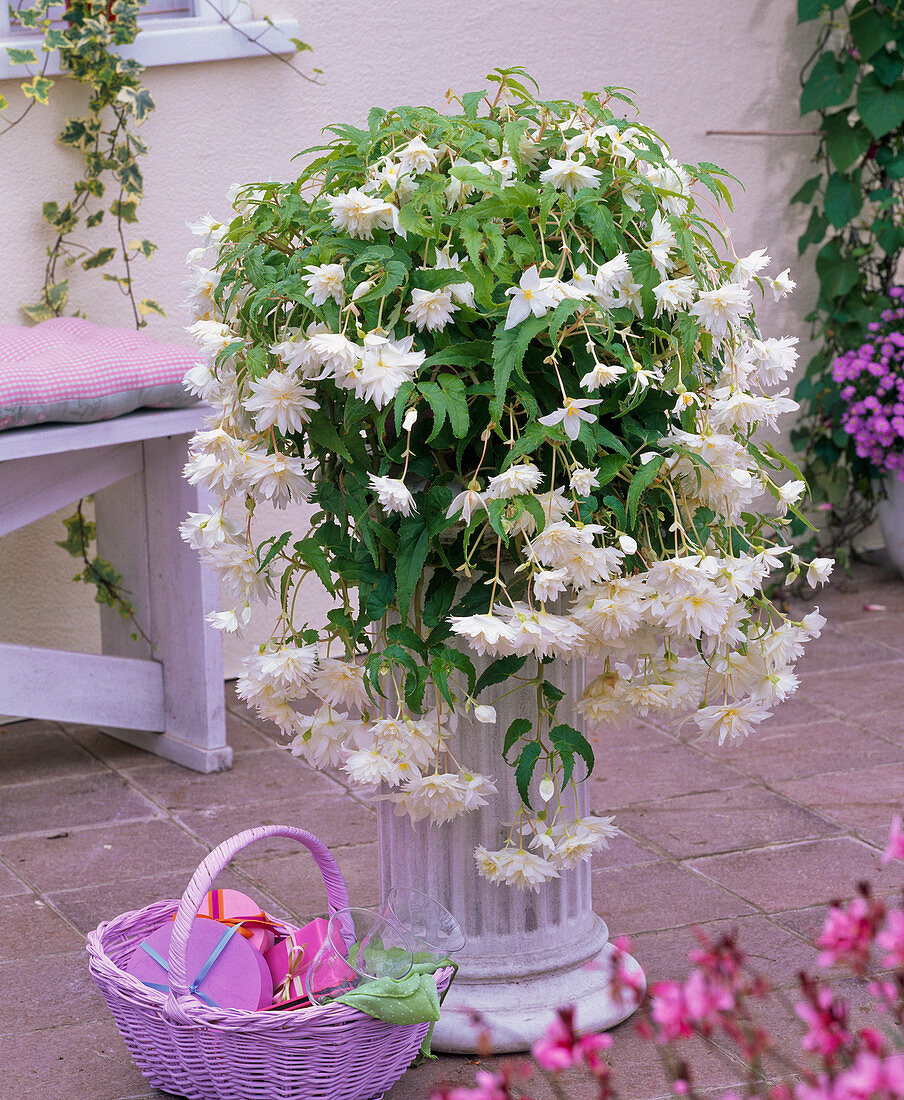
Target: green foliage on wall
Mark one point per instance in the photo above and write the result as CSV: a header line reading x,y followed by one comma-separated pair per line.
x,y
854,80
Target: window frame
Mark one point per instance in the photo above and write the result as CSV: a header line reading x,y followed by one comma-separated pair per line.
x,y
173,40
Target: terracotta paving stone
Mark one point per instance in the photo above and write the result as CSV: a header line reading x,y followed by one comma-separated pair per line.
x,y
115,754
862,798
645,775
853,693
797,875
103,854
771,951
852,647
34,751
632,736
242,735
793,752
30,928
880,627
336,818
83,1061
10,884
60,991
659,895
741,817
61,804
258,777
88,906
624,851
296,882
886,723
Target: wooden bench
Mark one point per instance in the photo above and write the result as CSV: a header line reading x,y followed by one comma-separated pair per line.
x,y
169,699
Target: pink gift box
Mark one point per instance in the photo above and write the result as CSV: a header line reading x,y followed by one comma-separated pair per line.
x,y
289,960
224,969
233,907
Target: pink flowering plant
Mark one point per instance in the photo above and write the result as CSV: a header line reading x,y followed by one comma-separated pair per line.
x,y
510,353
871,381
722,1002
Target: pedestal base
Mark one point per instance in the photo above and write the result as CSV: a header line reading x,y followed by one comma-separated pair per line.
x,y
517,1010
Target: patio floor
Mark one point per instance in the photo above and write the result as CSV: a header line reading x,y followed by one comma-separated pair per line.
x,y
760,836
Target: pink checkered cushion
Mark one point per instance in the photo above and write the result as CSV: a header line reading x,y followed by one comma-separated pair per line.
x,y
72,370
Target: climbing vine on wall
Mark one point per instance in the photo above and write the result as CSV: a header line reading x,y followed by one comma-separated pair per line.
x,y
854,80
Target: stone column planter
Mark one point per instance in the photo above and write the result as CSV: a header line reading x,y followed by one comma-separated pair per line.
x,y
528,952
891,519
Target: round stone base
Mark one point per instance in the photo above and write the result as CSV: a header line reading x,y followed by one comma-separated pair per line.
x,y
516,1011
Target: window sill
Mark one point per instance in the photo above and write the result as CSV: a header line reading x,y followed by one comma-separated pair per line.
x,y
180,42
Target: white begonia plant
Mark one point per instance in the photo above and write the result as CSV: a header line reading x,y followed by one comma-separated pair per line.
x,y
504,355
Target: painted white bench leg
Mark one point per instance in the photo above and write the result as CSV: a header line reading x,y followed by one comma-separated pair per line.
x,y
138,531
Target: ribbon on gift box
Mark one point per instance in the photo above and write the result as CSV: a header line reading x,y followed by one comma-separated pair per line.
x,y
218,950
285,991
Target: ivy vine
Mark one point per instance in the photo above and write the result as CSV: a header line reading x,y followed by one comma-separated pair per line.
x,y
854,80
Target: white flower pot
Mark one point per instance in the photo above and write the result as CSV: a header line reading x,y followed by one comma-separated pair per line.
x,y
891,520
528,952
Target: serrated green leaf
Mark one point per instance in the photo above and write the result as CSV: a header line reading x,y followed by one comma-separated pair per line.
x,y
414,545
456,403
518,729
643,477
497,673
436,399
567,738
807,191
524,770
509,347
311,553
276,545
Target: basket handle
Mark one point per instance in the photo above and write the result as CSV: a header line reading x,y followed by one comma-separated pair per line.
x,y
203,878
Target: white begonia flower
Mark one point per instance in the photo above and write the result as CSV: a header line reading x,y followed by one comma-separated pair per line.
x,y
340,683
280,400
610,279
570,175
417,157
212,336
485,714
287,666
818,571
201,530
409,420
671,181
782,285
603,374
522,477
201,381
467,502
730,722
662,241
278,478
359,214
530,296
627,544
394,176
774,359
674,294
514,867
485,633
790,493
322,743
212,231
461,292
745,269
199,289
392,494
546,789
583,481
620,142
325,281
363,288
570,415
549,583
722,308
431,309
386,366
226,621
370,768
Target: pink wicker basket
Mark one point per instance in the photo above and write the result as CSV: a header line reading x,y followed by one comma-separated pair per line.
x,y
182,1045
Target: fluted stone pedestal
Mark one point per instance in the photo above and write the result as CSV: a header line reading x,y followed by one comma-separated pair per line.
x,y
528,952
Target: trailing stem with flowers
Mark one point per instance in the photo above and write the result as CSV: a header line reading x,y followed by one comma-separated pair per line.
x,y
511,356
